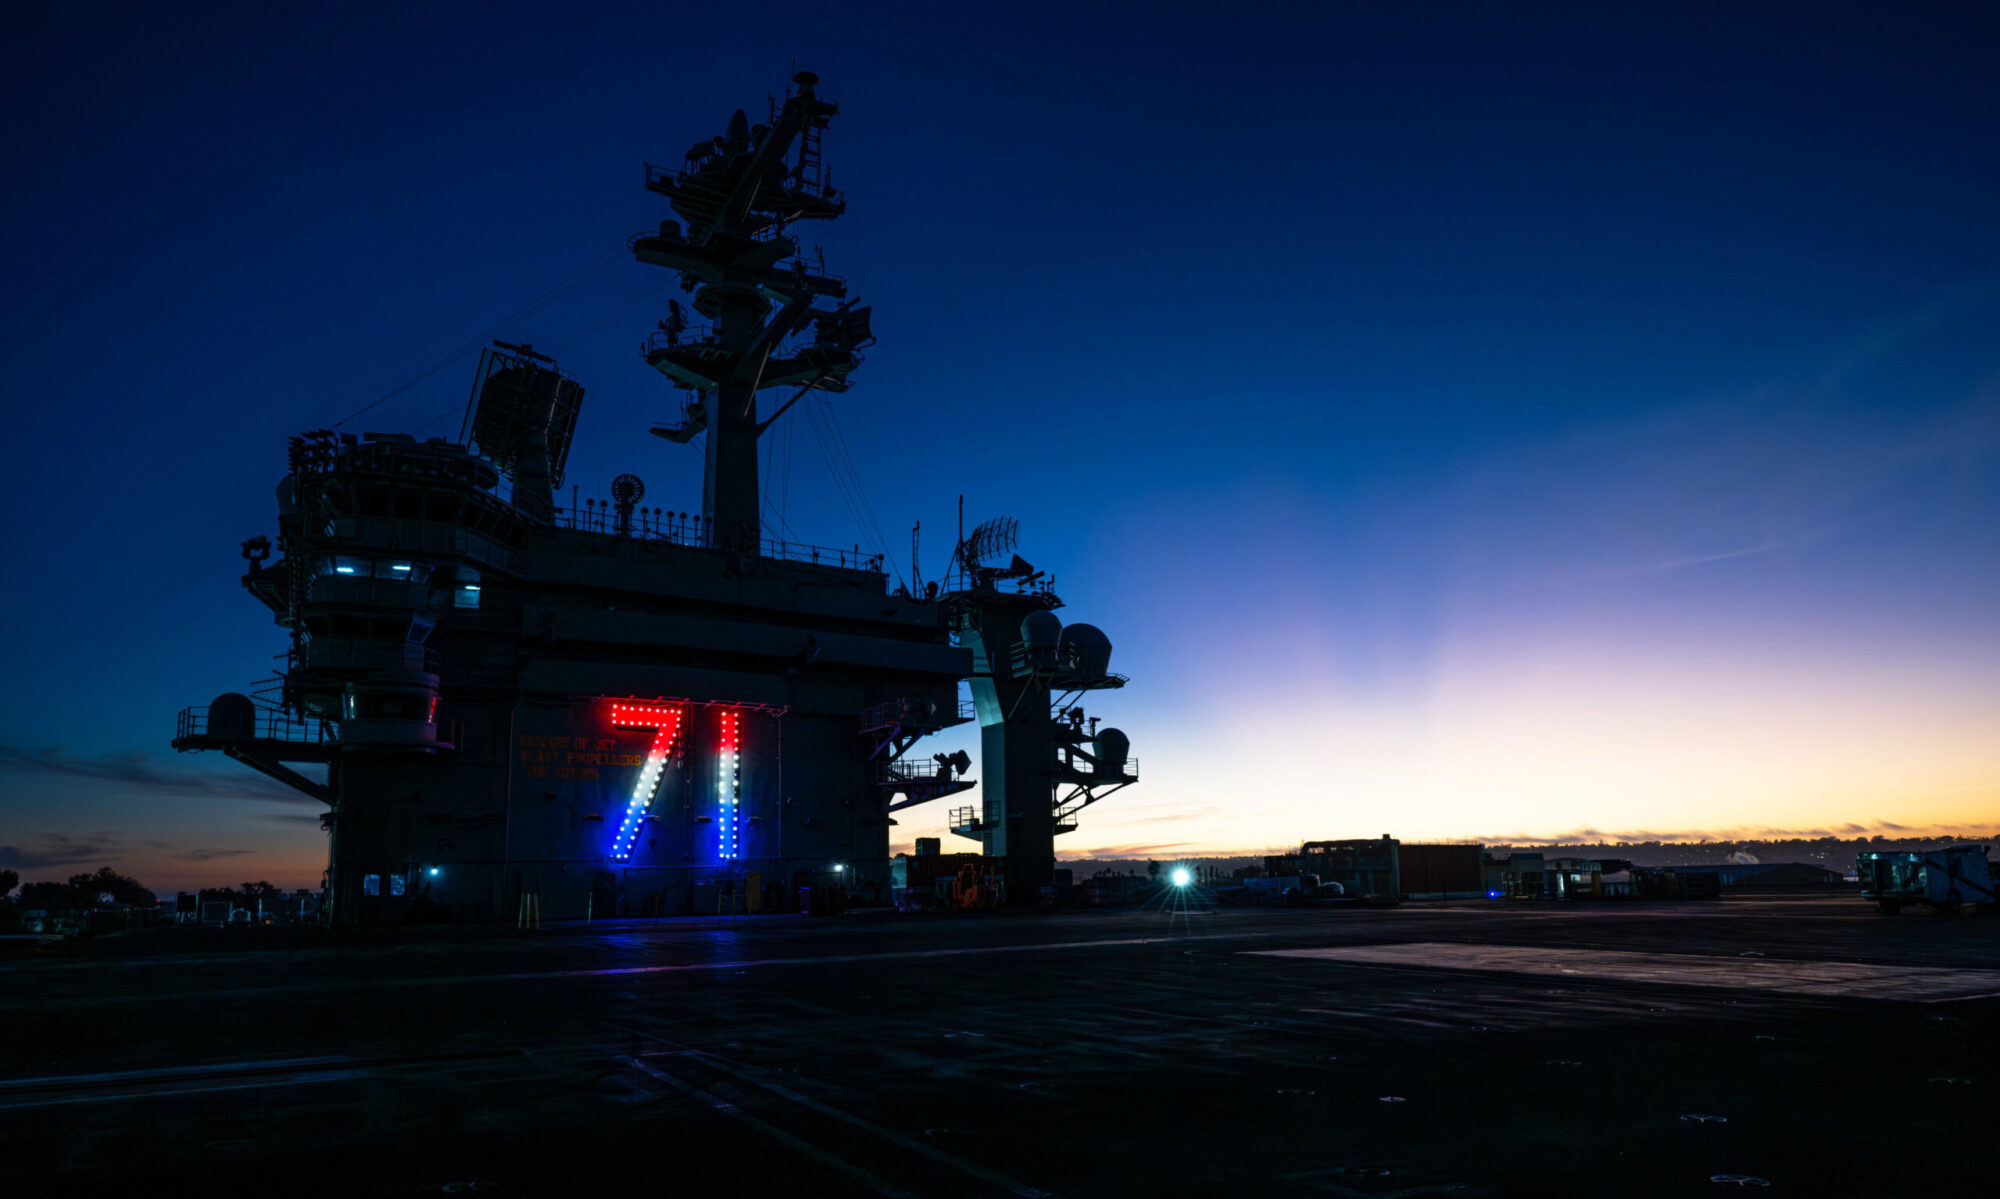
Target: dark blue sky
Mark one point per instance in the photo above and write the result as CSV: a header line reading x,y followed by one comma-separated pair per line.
x,y
1404,388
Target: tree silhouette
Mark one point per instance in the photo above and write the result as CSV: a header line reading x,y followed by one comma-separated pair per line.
x,y
50,897
124,890
8,880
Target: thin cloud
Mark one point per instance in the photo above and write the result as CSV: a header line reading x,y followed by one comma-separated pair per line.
x,y
1707,483
1123,851
1667,564
60,850
141,772
209,855
1169,817
1597,836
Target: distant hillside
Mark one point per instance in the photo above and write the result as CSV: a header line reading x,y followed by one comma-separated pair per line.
x,y
1834,853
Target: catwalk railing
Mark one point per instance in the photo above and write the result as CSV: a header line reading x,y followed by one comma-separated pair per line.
x,y
915,770
270,724
895,714
689,529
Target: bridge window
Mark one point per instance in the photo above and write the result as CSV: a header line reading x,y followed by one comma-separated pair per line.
x,y
403,570
371,884
388,705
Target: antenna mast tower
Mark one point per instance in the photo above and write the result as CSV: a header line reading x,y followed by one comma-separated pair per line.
x,y
739,194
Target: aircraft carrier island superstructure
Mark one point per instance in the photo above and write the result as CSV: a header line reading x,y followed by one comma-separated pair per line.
x,y
533,710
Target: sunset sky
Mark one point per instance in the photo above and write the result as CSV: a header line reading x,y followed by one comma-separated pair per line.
x,y
1465,425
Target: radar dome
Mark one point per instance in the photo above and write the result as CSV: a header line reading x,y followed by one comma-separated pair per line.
x,y
1041,631
232,717
1088,649
1112,748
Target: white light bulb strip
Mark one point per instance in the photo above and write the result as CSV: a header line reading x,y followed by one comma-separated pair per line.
x,y
667,725
729,785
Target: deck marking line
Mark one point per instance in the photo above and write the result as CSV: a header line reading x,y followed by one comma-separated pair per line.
x,y
888,1134
873,1181
244,1067
1822,979
293,1080
620,971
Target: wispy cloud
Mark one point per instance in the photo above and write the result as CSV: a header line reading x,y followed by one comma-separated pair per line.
x,y
59,850
1677,563
1170,817
1124,851
1587,835
209,855
142,772
1704,483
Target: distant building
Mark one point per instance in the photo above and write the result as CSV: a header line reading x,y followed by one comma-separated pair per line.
x,y
1775,876
1369,869
1441,871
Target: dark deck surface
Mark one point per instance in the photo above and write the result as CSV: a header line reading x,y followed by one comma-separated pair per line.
x,y
1434,1050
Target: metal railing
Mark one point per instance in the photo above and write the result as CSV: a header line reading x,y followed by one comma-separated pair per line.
x,y
898,713
689,529
649,524
404,455
271,724
820,555
957,581
1082,768
811,270
914,770
694,337
965,820
693,168
770,232
703,339
1060,664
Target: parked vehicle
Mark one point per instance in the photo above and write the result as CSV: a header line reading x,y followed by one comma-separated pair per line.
x,y
1289,890
1946,879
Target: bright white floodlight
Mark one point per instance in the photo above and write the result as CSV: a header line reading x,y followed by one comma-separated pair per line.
x,y
1181,877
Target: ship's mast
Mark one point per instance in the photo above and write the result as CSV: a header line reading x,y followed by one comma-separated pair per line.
x,y
739,194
